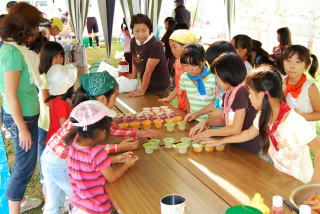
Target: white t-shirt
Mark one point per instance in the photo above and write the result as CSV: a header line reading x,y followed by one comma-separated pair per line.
x,y
302,102
248,67
293,136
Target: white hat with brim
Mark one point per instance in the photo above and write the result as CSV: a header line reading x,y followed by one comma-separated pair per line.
x,y
60,78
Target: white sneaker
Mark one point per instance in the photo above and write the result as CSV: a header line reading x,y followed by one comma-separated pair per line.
x,y
7,134
30,203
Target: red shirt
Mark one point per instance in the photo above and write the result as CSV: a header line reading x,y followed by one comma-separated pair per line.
x,y
58,109
181,95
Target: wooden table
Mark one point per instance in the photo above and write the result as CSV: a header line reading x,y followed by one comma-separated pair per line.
x,y
157,175
234,174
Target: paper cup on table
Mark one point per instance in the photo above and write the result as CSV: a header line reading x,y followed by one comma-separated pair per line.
x,y
148,147
173,204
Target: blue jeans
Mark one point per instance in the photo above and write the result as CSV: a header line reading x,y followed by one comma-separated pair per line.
x,y
42,135
56,181
25,162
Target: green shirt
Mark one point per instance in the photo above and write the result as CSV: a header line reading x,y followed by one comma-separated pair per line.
x,y
197,101
12,60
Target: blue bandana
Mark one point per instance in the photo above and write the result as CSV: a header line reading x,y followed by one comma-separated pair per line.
x,y
200,85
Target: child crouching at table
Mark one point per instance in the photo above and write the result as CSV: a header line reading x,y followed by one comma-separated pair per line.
x,y
238,113
287,135
197,81
89,166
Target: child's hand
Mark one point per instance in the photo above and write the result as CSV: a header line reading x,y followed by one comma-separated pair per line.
x,y
147,133
131,161
203,135
164,100
198,128
211,142
189,117
121,158
128,145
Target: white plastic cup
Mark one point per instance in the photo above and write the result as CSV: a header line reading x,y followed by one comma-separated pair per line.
x,y
173,204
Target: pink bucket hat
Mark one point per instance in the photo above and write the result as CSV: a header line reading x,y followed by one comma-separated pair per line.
x,y
90,112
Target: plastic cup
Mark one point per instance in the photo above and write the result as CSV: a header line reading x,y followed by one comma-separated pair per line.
x,y
170,127
123,125
169,120
220,148
141,118
135,124
197,147
118,120
168,142
146,109
152,117
186,140
156,109
164,108
129,119
163,116
155,143
173,204
208,148
177,119
146,124
181,126
158,123
182,148
148,147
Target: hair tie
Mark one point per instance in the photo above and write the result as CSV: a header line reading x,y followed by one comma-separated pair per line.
x,y
266,92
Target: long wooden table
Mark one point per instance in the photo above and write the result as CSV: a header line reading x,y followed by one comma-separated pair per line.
x,y
233,175
157,175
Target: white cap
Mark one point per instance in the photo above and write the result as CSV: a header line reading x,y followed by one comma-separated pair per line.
x,y
277,201
61,78
305,209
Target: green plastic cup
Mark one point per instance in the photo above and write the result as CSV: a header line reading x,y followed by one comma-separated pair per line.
x,y
168,142
186,140
241,209
170,127
182,148
148,147
181,126
155,143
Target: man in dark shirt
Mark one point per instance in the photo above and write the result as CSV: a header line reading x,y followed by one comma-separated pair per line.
x,y
180,13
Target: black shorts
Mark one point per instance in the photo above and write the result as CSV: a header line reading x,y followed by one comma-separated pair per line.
x,y
92,25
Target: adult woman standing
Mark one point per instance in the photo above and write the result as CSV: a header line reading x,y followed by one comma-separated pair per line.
x,y
148,59
18,76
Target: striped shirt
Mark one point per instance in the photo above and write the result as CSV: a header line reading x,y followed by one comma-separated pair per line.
x,y
87,181
58,146
197,101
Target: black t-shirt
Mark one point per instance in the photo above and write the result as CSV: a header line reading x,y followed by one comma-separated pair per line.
x,y
241,101
153,49
182,15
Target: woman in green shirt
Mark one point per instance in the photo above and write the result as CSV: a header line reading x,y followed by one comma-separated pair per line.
x,y
18,76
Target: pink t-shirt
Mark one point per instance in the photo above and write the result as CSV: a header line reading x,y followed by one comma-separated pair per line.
x,y
87,181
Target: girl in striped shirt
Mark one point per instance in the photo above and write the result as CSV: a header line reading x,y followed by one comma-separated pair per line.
x,y
89,166
197,81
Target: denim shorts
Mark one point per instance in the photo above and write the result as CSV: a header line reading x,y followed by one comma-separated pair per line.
x,y
25,162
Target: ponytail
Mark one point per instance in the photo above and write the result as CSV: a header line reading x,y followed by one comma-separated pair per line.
x,y
80,96
266,79
263,122
314,66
